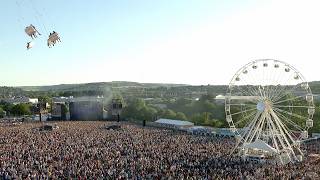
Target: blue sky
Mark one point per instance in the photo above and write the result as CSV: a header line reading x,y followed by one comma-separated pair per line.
x,y
180,41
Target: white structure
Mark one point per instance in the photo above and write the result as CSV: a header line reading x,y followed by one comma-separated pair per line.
x,y
171,123
77,99
316,135
202,130
87,98
260,145
266,98
18,100
61,99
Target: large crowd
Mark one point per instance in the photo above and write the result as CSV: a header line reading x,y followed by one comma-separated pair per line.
x,y
86,150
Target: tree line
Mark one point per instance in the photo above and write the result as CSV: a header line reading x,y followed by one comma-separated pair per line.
x,y
201,112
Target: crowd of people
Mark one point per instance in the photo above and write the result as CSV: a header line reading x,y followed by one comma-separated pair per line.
x,y
86,150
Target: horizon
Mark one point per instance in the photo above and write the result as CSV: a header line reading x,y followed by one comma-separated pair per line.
x,y
129,82
120,82
181,42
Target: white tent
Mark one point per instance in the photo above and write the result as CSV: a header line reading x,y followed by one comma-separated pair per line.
x,y
174,122
260,145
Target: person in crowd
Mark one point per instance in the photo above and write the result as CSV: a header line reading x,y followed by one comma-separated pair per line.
x,y
84,150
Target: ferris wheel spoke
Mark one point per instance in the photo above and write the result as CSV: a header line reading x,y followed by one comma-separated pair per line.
x,y
295,125
275,92
242,104
278,82
268,91
250,88
245,91
281,92
284,128
282,115
244,118
248,99
281,89
248,110
283,131
255,89
249,102
254,93
241,91
290,113
285,86
274,132
258,128
279,106
261,92
251,126
290,99
285,93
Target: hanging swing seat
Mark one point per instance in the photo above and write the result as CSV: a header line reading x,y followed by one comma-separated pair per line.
x,y
31,31
53,39
29,45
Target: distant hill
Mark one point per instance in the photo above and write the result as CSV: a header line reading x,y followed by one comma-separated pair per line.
x,y
124,85
315,87
96,86
10,92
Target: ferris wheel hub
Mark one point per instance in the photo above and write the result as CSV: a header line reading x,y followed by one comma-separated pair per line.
x,y
264,105
261,106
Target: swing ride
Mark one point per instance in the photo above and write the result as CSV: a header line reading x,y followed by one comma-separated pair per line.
x,y
32,31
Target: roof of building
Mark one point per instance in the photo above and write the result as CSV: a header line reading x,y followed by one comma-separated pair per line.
x,y
21,99
174,122
261,145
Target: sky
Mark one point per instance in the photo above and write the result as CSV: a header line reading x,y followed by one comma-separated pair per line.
x,y
194,42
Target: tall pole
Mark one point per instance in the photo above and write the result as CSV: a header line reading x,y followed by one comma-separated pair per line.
x,y
40,118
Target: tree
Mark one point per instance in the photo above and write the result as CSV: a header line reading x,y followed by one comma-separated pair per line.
x,y
7,107
21,109
169,114
207,119
206,97
2,113
44,99
181,116
138,110
197,119
218,123
138,103
148,113
64,109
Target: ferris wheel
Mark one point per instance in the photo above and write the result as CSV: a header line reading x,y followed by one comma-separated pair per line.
x,y
269,107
